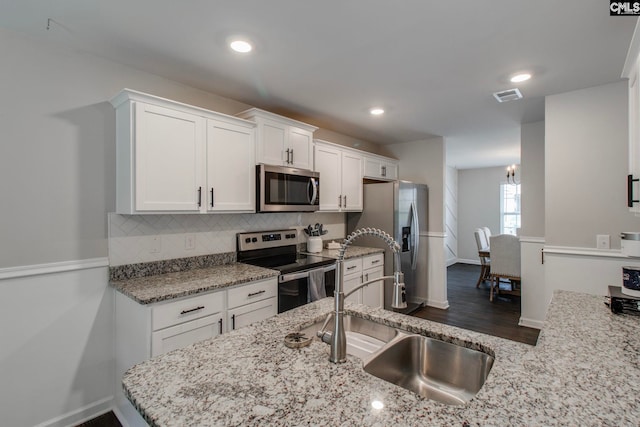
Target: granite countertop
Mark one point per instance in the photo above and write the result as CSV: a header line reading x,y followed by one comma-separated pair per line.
x,y
352,252
585,370
161,287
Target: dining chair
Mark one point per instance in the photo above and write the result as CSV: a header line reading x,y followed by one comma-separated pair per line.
x,y
485,261
505,263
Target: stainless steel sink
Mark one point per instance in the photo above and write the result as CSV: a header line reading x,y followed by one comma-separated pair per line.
x,y
364,337
434,369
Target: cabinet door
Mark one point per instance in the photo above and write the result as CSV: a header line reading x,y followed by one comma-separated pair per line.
x,y
185,334
350,282
250,313
389,171
168,159
373,294
372,168
272,137
230,167
351,182
300,144
327,162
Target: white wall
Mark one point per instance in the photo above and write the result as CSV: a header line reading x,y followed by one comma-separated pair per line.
x,y
451,215
586,166
585,171
532,178
478,206
56,357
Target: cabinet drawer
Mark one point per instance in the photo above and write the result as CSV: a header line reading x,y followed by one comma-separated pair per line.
x,y
252,292
176,312
352,266
180,336
373,261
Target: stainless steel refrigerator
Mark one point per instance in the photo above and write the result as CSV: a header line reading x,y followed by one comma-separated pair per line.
x,y
400,209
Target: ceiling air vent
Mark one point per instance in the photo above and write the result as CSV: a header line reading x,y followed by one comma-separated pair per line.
x,y
508,95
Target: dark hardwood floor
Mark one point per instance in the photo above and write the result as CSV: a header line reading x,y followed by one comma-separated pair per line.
x,y
105,420
470,308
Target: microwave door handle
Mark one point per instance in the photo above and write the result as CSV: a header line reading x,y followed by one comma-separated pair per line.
x,y
314,185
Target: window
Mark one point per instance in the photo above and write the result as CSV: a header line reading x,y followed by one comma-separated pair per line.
x,y
509,208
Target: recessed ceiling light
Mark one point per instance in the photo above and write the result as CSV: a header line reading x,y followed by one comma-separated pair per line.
x,y
241,46
376,111
520,77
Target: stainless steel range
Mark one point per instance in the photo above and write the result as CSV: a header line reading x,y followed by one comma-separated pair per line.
x,y
298,272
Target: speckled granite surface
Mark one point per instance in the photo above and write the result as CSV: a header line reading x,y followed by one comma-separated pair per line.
x,y
143,269
161,287
585,370
352,252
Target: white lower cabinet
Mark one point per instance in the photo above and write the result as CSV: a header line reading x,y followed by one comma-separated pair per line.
x,y
145,331
359,270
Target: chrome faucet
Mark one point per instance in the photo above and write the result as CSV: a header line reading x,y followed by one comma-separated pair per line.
x,y
337,339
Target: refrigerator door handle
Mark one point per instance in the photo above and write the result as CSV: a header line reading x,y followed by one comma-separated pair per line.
x,y
415,232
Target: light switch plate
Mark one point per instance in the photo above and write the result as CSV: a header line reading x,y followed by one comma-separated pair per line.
x,y
190,242
156,245
603,241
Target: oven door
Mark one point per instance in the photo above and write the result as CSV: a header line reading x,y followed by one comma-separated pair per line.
x,y
293,288
282,189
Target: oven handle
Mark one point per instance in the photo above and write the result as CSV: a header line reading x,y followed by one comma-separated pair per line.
x,y
302,274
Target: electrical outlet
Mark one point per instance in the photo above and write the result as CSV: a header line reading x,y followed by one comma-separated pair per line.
x,y
604,241
156,245
190,242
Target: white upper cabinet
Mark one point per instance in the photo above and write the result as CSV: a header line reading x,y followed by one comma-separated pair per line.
x,y
230,167
173,157
633,186
340,178
380,168
281,141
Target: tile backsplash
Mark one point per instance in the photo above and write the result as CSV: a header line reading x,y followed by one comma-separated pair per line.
x,y
144,238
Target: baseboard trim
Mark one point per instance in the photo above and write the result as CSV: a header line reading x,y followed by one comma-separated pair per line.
x,y
531,323
53,267
443,305
82,414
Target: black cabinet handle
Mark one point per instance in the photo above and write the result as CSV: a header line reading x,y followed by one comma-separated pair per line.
x,y
192,309
212,197
199,196
292,156
630,181
220,325
233,322
253,294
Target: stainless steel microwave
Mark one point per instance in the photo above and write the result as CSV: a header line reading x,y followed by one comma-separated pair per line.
x,y
283,189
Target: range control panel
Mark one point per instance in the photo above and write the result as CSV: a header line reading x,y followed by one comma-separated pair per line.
x,y
266,239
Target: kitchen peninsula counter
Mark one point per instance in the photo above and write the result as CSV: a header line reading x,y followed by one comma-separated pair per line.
x,y
584,371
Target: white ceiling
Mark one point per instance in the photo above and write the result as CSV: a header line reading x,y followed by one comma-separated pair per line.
x,y
433,65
